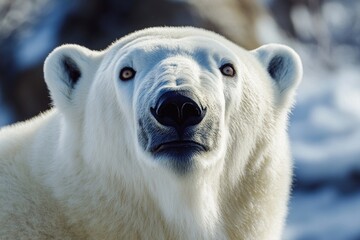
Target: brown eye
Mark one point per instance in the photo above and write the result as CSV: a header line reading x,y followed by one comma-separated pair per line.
x,y
227,70
127,73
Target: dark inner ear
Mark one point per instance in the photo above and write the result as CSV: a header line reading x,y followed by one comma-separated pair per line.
x,y
276,68
72,70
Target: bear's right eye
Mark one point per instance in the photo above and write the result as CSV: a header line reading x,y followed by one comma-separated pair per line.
x,y
127,73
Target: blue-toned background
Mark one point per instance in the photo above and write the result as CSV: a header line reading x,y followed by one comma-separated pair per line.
x,y
325,124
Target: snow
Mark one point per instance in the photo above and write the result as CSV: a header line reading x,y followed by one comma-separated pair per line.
x,y
325,138
325,126
32,44
338,20
35,43
326,121
305,25
17,14
324,215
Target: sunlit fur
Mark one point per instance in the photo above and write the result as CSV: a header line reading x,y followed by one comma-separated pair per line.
x,y
79,171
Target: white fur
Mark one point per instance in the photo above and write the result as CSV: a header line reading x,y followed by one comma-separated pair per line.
x,y
79,172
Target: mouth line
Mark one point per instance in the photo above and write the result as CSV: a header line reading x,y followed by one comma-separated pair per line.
x,y
178,145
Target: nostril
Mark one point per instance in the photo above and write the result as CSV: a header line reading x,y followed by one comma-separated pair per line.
x,y
168,112
189,110
168,109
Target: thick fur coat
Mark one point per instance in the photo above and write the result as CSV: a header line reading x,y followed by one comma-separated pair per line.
x,y
169,133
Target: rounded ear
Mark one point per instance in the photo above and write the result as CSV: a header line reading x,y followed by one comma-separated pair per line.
x,y
64,69
284,68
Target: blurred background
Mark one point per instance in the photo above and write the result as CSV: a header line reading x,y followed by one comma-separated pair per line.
x,y
325,124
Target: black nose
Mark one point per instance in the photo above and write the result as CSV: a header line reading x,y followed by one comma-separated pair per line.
x,y
177,109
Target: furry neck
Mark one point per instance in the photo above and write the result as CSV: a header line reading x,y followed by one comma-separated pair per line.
x,y
189,203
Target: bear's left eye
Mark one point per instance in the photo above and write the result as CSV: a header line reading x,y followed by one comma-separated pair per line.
x,y
127,73
228,70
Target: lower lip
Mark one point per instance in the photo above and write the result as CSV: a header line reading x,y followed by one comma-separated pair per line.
x,y
179,145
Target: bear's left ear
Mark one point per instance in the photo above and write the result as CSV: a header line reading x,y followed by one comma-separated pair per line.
x,y
284,67
67,70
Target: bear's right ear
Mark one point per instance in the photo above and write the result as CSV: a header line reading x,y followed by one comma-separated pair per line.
x,y
64,68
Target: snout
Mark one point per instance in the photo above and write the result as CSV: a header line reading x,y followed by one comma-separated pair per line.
x,y
179,128
180,112
178,109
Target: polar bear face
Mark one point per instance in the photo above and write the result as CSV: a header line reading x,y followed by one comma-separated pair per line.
x,y
178,100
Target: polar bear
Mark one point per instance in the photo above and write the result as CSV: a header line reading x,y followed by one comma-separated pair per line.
x,y
169,133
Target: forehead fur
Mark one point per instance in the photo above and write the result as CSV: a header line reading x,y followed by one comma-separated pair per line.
x,y
170,33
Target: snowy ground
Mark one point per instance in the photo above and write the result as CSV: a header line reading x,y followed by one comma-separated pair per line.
x,y
324,215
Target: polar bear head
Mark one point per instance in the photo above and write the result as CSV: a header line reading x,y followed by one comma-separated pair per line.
x,y
172,101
